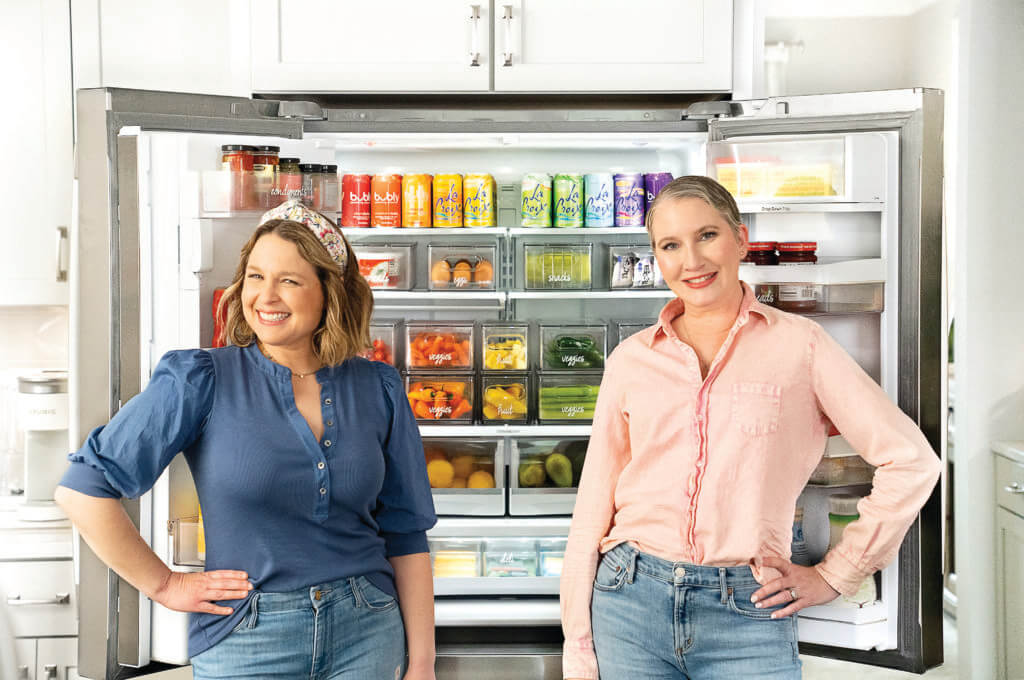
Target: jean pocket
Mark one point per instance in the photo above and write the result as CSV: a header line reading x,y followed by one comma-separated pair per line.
x,y
756,407
248,621
610,575
371,596
739,602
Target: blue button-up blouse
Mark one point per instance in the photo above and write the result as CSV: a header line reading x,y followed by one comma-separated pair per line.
x,y
289,510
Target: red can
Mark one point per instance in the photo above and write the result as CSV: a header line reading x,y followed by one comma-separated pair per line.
x,y
355,201
220,319
386,205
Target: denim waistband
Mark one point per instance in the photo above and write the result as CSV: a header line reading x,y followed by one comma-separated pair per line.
x,y
305,598
679,573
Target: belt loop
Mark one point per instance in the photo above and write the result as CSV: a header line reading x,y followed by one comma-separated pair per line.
x,y
254,614
723,584
631,570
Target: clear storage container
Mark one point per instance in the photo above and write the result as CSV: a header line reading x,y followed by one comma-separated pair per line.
x,y
383,337
567,397
841,471
505,398
551,553
558,267
462,466
462,267
446,346
441,399
626,329
505,346
386,266
573,347
189,542
456,558
510,557
818,298
633,267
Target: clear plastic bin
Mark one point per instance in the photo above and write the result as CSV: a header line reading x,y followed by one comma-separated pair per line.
x,y
444,346
567,398
548,463
794,168
505,398
386,266
510,557
558,267
441,399
841,471
633,267
462,267
818,298
551,554
383,345
463,466
456,558
573,347
189,542
224,191
505,346
627,329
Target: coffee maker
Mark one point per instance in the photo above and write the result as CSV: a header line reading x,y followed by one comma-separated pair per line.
x,y
43,420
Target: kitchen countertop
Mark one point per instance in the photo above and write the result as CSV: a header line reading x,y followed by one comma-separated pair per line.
x,y
1014,450
21,540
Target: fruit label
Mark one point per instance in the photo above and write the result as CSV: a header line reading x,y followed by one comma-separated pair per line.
x,y
572,411
440,357
563,278
440,410
504,411
571,360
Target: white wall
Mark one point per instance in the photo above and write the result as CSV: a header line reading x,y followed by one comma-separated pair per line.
x,y
989,280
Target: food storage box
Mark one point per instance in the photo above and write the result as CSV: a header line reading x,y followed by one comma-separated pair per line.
x,y
462,267
842,471
633,267
627,329
558,267
573,347
567,398
510,557
455,558
505,346
383,337
441,399
505,398
386,266
818,298
551,554
189,542
544,474
467,476
444,346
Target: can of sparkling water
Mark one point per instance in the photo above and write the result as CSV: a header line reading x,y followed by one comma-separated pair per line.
x,y
629,199
568,200
448,200
655,182
599,203
536,200
479,201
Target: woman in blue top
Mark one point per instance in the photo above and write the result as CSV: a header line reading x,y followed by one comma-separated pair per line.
x,y
309,469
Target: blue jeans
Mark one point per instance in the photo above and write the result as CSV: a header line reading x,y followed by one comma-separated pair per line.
x,y
661,620
344,629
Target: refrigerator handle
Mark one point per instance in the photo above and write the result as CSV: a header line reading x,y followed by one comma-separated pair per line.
x,y
474,45
507,18
62,271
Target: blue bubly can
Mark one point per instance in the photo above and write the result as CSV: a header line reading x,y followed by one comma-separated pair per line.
x,y
599,206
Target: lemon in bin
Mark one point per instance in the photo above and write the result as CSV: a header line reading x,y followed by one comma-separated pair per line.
x,y
481,479
464,466
440,473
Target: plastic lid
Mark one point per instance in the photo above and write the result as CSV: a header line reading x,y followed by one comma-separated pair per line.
x,y
268,149
762,245
309,167
843,504
236,147
289,160
329,168
800,246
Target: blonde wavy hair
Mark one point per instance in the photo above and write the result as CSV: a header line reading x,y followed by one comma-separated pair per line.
x,y
344,329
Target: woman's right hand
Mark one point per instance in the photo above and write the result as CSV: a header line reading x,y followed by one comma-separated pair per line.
x,y
195,592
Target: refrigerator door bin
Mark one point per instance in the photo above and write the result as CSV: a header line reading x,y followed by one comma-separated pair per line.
x,y
544,475
467,476
188,542
223,192
462,267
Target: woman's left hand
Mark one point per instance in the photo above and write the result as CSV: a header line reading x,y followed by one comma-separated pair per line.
x,y
806,582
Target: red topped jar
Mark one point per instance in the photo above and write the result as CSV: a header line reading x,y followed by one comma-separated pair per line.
x,y
761,252
798,252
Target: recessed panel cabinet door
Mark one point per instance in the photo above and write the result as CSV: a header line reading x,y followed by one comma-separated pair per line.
x,y
613,46
381,46
1009,594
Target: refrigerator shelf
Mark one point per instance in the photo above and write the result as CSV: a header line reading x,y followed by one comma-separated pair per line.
x,y
623,294
496,296
816,205
498,586
572,231
531,612
504,430
828,271
351,232
872,613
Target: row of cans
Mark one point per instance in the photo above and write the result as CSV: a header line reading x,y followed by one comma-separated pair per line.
x,y
418,200
599,199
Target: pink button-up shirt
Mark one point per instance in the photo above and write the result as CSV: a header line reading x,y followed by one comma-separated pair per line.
x,y
708,471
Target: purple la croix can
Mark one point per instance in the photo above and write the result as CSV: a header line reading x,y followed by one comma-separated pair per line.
x,y
655,182
629,199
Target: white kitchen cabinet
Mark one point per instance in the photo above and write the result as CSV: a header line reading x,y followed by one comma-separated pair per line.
x,y
25,664
611,46
56,658
36,138
1009,558
383,46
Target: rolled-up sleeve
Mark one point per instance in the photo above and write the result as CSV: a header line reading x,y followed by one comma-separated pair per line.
x,y
907,467
607,455
405,506
124,458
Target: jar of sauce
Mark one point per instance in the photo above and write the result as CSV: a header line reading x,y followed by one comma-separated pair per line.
x,y
798,252
237,159
330,189
289,179
799,298
312,182
264,165
761,252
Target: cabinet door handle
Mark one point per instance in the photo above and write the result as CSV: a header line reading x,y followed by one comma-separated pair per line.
x,y
51,671
1014,488
16,601
22,672
474,45
507,18
62,272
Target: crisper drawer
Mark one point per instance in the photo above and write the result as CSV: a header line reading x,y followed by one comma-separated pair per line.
x,y
40,597
545,474
501,566
1010,485
467,476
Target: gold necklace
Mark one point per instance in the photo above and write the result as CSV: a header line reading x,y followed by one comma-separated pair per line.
x,y
295,374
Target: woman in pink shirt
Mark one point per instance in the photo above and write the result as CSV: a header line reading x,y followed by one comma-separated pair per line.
x,y
708,426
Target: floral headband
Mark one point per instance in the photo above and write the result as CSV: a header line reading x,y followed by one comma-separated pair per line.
x,y
322,228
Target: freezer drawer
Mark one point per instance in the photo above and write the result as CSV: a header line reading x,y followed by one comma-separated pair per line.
x,y
472,662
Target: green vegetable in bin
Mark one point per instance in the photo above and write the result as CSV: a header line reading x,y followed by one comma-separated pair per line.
x,y
567,402
573,351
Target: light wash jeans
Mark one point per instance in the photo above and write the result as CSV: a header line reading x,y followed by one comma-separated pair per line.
x,y
345,629
661,620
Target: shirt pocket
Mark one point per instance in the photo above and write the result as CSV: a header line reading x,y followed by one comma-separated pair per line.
x,y
756,407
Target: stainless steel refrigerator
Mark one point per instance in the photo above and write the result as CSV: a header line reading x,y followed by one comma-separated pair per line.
x,y
160,224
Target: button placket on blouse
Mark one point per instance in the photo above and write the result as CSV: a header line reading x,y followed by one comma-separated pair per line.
x,y
322,473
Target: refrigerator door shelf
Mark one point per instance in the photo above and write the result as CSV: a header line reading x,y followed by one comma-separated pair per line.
x,y
748,206
526,612
828,612
828,271
865,636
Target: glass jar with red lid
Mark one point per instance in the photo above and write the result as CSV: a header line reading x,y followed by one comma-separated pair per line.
x,y
798,252
761,252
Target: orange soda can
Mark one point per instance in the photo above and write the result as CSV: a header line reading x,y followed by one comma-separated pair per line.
x,y
478,210
448,200
386,200
417,207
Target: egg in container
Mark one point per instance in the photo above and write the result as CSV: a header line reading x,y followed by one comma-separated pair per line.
x,y
461,267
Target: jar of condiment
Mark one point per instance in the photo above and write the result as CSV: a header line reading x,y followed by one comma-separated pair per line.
x,y
264,165
761,252
237,159
842,511
798,252
312,182
330,190
289,179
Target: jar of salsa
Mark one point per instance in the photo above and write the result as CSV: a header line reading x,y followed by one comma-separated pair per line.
x,y
312,182
761,252
798,252
264,165
289,179
330,190
237,159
